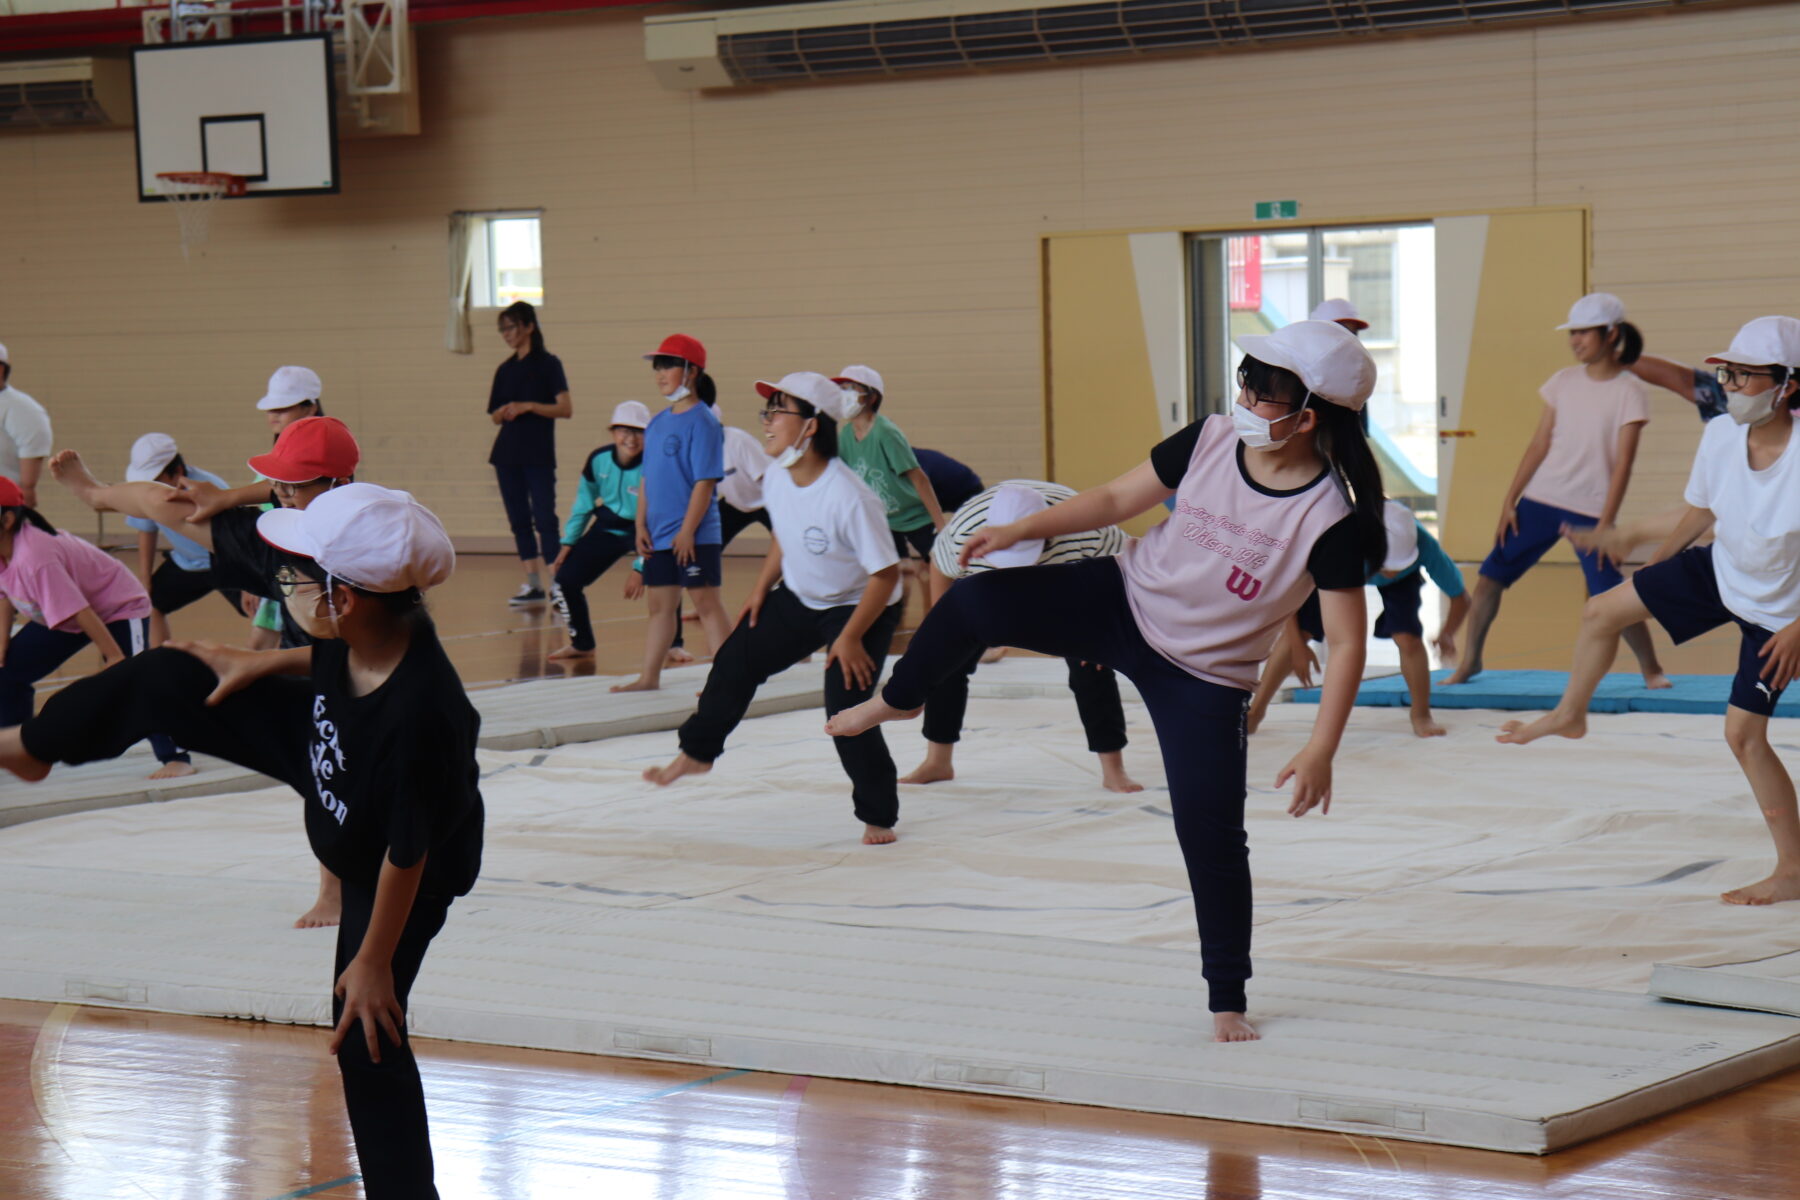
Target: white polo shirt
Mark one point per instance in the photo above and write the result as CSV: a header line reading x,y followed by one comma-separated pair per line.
x,y
24,430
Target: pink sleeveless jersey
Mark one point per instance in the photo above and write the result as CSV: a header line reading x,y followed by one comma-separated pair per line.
x,y
1211,586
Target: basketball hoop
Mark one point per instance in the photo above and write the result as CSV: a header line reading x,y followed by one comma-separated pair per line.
x,y
195,194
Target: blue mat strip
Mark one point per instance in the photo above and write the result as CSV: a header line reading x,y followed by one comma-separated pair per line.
x,y
1535,690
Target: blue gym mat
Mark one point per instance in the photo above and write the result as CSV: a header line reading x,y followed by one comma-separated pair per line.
x,y
1533,690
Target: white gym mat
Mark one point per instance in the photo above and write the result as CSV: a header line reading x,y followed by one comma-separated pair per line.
x,y
1498,1066
1577,864
1770,985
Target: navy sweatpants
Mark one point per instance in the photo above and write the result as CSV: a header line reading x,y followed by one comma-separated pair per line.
x,y
1078,610
529,494
1096,689
37,650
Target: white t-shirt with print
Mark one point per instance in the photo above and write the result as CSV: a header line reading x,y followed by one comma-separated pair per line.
x,y
24,430
1756,531
833,535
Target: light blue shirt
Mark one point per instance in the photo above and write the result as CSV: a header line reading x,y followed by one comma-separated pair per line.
x,y
1434,562
187,554
681,449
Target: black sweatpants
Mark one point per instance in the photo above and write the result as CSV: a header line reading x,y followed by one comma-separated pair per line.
x,y
589,558
734,520
1079,610
785,632
1096,689
266,727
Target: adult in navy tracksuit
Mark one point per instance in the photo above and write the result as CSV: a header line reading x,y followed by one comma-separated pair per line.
x,y
530,393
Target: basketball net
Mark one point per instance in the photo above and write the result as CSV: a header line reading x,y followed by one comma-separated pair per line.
x,y
195,195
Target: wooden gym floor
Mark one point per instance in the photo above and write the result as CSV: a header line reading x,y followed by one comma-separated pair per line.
x,y
103,1104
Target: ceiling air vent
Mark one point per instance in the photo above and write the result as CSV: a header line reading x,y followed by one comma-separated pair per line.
x,y
803,42
64,92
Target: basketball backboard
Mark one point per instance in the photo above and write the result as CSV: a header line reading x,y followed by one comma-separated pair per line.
x,y
261,108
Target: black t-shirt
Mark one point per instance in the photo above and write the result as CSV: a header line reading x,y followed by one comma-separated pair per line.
x,y
394,772
530,440
955,483
242,560
1336,559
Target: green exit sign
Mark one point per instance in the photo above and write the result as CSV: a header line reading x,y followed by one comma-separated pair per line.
x,y
1277,210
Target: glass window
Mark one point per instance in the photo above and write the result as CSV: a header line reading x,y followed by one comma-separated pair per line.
x,y
509,260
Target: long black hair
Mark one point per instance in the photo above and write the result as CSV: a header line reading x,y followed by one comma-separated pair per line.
x,y
29,516
1341,441
825,441
520,312
1629,342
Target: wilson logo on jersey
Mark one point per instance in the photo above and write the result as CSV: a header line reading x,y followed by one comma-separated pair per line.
x,y
1243,584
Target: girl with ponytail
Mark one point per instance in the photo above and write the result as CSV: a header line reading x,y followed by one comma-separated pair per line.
x,y
1270,502
1573,475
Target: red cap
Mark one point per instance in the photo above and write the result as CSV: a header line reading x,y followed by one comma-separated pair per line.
x,y
10,495
680,345
311,448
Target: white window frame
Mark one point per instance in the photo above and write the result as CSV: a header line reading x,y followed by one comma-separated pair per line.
x,y
481,254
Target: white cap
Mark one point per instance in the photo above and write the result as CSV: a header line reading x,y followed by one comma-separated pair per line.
x,y
822,393
5,357
632,413
869,377
1402,536
1764,342
1339,310
1011,502
371,537
1596,310
150,454
289,386
1326,356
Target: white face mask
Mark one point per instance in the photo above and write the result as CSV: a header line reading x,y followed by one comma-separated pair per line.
x,y
853,404
680,393
1752,410
1254,430
793,453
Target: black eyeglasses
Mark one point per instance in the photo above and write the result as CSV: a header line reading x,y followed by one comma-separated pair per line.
x,y
287,491
1739,376
773,411
290,581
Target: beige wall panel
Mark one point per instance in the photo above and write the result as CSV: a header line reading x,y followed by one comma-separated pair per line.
x,y
897,223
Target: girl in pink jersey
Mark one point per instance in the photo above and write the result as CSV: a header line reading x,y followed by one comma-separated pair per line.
x,y
1277,498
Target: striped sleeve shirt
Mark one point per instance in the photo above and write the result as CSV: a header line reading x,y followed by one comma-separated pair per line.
x,y
1063,548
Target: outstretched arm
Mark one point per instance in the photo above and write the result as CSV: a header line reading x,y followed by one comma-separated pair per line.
x,y
152,501
1137,491
1667,374
1345,616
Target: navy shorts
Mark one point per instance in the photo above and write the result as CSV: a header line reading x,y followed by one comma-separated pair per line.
x,y
706,569
1682,593
1540,525
1400,603
919,539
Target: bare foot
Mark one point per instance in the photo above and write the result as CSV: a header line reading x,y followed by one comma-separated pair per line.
x,y
875,835
993,654
73,474
1232,1027
677,657
323,914
568,653
1119,781
174,770
1254,718
1424,726
1462,674
14,758
929,772
1656,681
1517,733
640,684
865,716
1782,885
681,765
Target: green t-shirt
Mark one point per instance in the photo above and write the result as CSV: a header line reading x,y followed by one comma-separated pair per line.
x,y
881,459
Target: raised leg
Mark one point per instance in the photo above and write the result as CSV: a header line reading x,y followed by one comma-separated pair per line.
x,y
1602,620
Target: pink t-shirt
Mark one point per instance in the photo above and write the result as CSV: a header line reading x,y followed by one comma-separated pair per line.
x,y
50,579
1211,586
1584,444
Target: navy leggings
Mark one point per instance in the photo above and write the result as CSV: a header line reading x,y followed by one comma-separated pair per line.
x,y
529,494
37,650
1096,690
1079,610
